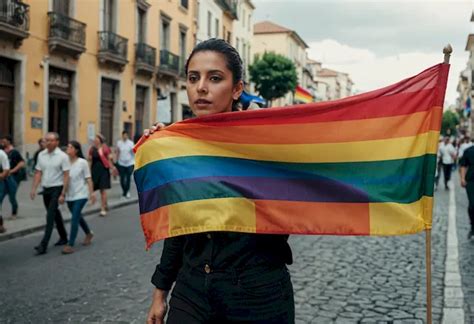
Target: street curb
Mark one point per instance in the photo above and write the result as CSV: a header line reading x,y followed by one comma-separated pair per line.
x,y
93,211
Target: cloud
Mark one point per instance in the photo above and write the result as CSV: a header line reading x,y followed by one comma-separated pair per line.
x,y
370,71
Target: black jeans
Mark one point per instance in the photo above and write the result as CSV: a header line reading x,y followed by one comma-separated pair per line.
x,y
255,295
470,197
447,168
125,174
53,215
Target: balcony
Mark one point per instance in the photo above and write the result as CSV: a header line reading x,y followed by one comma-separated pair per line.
x,y
113,49
169,64
229,7
66,35
14,21
145,58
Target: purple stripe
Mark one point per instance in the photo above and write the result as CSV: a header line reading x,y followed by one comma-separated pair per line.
x,y
311,190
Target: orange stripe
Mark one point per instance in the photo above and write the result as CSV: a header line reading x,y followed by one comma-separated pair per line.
x,y
274,216
323,132
155,225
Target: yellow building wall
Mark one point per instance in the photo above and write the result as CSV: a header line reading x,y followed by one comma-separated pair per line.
x,y
37,59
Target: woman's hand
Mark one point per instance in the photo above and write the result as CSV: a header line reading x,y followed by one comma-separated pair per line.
x,y
158,307
156,127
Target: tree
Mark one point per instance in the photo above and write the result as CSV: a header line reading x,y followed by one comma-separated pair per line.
x,y
449,123
274,75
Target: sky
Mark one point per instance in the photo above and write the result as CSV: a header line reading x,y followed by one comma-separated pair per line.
x,y
378,42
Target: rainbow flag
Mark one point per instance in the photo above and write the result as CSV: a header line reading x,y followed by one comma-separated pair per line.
x,y
363,165
303,95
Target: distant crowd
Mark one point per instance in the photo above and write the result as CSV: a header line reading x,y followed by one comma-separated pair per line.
x,y
65,177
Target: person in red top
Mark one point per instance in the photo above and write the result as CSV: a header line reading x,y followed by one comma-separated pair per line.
x,y
101,162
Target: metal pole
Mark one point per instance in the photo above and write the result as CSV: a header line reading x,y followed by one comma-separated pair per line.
x,y
428,277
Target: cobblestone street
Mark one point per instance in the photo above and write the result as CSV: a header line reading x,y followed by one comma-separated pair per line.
x,y
336,279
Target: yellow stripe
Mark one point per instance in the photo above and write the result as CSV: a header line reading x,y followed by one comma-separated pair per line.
x,y
229,214
396,219
375,150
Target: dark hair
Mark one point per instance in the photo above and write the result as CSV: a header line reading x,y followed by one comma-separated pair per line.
x,y
124,132
77,147
234,62
8,138
101,138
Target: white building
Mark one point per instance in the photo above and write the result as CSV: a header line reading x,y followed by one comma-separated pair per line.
x,y
243,33
209,18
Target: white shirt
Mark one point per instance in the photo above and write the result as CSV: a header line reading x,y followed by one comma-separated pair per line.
x,y
462,148
446,152
78,175
52,166
126,156
4,163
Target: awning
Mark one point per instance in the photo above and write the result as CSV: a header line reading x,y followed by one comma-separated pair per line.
x,y
302,95
246,99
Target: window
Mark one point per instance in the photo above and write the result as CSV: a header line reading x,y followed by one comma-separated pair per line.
x,y
182,48
237,44
62,7
209,23
248,22
165,33
184,4
109,15
217,28
243,17
141,26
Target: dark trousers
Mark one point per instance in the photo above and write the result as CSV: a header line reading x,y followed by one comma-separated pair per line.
x,y
256,295
53,215
125,174
11,188
470,197
447,168
75,207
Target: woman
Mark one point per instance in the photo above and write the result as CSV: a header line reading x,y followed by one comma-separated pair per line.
x,y
79,189
221,277
101,162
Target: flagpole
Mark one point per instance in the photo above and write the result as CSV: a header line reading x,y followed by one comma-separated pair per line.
x,y
447,50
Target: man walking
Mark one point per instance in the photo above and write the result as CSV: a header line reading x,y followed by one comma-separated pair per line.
x,y
125,162
52,170
4,169
467,181
17,172
448,156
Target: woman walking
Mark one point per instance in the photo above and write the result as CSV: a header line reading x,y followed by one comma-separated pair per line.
x,y
221,277
101,162
79,190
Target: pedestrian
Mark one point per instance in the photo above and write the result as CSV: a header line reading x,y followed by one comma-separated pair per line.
x,y
448,156
221,277
4,170
466,172
52,171
465,144
16,175
101,162
79,190
125,162
41,147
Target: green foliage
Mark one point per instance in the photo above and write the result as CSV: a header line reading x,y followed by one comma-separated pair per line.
x,y
274,75
449,123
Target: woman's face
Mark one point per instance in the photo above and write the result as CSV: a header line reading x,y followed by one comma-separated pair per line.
x,y
209,84
70,150
96,141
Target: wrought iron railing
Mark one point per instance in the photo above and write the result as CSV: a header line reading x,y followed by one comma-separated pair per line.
x,y
112,43
169,61
15,13
67,28
145,54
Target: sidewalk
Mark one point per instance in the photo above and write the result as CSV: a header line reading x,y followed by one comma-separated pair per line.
x,y
32,214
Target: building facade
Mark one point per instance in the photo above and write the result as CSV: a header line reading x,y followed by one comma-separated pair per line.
x,y
270,37
84,67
